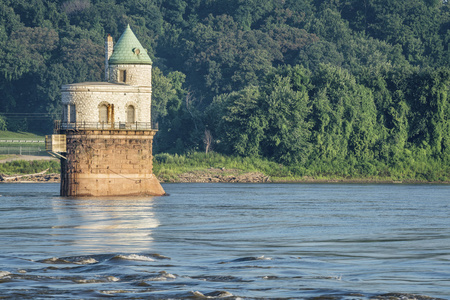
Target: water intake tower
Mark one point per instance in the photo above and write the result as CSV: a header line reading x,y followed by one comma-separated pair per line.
x,y
105,137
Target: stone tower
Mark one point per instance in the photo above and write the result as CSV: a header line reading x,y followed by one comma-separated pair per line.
x,y
108,128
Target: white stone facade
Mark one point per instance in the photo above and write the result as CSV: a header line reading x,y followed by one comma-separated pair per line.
x,y
87,98
131,88
137,75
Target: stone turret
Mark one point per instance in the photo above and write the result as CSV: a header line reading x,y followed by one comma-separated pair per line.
x,y
124,100
108,129
130,63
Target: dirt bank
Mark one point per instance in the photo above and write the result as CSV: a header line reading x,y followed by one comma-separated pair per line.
x,y
25,179
209,175
223,176
219,175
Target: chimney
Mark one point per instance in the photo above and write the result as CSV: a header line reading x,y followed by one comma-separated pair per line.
x,y
109,45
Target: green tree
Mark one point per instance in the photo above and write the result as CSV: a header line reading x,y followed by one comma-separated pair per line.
x,y
241,123
286,107
430,109
27,50
167,93
344,116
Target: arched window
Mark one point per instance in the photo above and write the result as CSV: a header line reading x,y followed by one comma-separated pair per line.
x,y
130,114
103,113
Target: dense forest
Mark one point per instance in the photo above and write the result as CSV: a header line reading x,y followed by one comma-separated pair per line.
x,y
347,86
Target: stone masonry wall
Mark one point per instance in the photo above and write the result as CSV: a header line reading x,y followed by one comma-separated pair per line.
x,y
137,75
109,162
88,98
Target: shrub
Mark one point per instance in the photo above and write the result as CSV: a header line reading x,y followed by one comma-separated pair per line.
x,y
29,167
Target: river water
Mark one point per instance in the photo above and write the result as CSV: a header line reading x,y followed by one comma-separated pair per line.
x,y
233,241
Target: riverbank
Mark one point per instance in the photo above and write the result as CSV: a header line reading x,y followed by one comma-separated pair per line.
x,y
223,175
31,178
203,169
227,176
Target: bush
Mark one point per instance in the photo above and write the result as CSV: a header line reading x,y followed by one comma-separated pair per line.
x,y
29,167
412,168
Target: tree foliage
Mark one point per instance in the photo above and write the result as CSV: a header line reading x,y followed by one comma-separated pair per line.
x,y
324,84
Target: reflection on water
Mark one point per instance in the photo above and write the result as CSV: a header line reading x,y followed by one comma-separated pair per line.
x,y
95,225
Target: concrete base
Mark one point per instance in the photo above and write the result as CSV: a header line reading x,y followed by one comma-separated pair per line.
x,y
109,163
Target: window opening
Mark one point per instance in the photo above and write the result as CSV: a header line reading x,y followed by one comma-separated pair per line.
x,y
123,76
130,114
73,114
65,116
103,113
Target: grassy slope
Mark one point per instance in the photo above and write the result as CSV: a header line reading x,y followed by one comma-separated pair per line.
x,y
21,139
20,135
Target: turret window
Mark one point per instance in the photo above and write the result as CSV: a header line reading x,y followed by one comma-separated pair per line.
x,y
123,76
72,114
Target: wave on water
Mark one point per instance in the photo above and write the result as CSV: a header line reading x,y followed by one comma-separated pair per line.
x,y
141,257
87,260
4,273
69,260
162,276
249,258
212,295
134,257
220,278
96,280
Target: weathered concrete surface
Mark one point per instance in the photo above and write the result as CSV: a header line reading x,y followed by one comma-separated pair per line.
x,y
109,163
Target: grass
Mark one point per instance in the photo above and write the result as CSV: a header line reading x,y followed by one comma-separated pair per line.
x,y
6,156
20,135
168,167
24,141
18,167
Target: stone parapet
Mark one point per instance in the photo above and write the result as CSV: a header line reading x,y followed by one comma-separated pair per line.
x,y
77,126
105,87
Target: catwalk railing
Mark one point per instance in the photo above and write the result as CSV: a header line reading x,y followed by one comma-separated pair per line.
x,y
105,126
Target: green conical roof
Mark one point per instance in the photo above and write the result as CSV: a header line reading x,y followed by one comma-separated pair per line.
x,y
128,50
